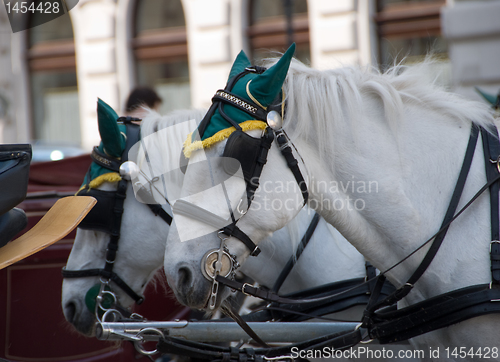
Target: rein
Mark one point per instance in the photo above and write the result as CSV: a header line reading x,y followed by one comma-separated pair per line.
x,y
110,203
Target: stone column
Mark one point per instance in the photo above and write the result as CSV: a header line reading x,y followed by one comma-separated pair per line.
x,y
94,29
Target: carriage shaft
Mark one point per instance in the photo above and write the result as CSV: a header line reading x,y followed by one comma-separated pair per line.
x,y
279,332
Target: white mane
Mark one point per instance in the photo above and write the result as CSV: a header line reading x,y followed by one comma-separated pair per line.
x,y
158,153
153,122
313,96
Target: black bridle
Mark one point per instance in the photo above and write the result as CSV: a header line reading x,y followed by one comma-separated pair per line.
x,y
107,215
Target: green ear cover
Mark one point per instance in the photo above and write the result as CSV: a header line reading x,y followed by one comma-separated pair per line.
x,y
239,65
264,87
490,98
113,141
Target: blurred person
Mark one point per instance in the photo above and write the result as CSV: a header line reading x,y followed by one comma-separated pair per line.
x,y
139,98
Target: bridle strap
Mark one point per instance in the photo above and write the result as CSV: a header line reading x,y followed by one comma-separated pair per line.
x,y
243,105
105,161
265,145
294,258
229,310
292,163
116,225
158,210
491,149
182,207
233,230
84,273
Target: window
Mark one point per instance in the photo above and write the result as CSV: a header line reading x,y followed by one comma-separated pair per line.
x,y
409,29
160,50
53,83
269,29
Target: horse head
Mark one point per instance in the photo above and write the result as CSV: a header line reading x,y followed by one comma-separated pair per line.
x,y
94,256
223,210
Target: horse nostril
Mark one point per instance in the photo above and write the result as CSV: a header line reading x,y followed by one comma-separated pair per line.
x,y
70,312
185,278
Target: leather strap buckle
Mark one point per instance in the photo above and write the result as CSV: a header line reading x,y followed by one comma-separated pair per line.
x,y
255,251
497,161
243,289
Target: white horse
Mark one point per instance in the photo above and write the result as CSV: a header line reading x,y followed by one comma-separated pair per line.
x,y
142,248
381,155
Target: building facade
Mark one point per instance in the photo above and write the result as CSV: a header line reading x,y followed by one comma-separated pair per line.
x,y
53,74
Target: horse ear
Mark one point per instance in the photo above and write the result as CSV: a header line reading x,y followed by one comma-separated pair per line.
x,y
239,65
490,98
113,141
267,85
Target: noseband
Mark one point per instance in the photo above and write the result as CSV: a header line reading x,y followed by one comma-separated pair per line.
x,y
107,217
252,155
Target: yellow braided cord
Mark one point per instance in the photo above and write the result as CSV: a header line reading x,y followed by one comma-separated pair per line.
x,y
107,177
190,147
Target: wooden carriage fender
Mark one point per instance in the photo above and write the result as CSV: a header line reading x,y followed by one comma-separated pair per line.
x,y
58,222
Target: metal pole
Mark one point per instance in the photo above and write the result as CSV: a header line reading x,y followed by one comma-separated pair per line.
x,y
278,332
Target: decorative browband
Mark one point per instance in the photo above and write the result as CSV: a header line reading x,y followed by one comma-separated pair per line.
x,y
236,101
104,160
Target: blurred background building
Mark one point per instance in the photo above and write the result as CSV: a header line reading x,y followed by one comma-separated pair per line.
x,y
51,75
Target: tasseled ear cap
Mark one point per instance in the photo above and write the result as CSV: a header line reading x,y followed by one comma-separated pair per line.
x,y
261,89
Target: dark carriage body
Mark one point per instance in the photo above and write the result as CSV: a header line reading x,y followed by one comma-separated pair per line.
x,y
32,325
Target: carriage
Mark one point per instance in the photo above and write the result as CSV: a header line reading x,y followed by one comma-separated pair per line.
x,y
416,142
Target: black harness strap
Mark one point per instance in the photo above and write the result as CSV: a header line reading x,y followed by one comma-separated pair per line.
x,y
233,230
336,341
230,312
401,292
106,274
292,163
265,145
270,296
435,313
293,259
158,210
105,161
116,225
458,305
491,149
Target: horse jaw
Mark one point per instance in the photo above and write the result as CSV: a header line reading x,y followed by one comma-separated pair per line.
x,y
182,264
85,254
